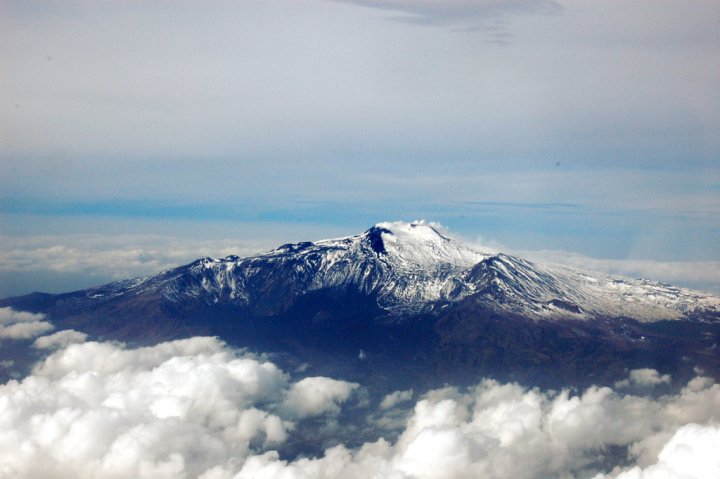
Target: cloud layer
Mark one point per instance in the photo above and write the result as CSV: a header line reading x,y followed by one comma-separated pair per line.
x,y
121,256
60,263
172,410
22,325
505,431
694,274
691,452
197,408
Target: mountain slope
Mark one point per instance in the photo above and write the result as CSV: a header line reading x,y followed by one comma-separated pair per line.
x,y
552,292
408,267
402,295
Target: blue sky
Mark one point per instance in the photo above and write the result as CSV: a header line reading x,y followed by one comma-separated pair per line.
x,y
585,127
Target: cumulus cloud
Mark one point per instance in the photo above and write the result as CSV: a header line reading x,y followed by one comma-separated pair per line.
x,y
10,316
21,324
196,408
177,409
396,398
60,339
504,430
690,453
644,377
318,395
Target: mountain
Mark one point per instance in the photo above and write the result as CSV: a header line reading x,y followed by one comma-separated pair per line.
x,y
403,294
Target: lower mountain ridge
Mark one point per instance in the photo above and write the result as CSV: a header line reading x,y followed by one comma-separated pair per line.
x,y
402,297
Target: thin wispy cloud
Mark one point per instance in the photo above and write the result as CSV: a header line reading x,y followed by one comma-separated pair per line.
x,y
489,17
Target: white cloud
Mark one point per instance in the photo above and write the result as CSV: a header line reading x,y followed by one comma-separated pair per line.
x,y
10,316
691,453
395,398
25,330
505,431
21,324
117,256
61,339
318,395
176,409
195,408
644,377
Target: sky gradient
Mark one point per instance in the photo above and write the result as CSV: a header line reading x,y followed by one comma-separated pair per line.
x,y
152,130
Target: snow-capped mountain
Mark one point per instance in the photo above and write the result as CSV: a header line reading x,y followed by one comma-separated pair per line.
x,y
407,266
411,267
404,297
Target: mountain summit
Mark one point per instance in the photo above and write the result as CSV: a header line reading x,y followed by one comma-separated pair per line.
x,y
410,267
403,290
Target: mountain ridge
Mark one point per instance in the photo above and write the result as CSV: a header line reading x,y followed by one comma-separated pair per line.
x,y
411,267
402,296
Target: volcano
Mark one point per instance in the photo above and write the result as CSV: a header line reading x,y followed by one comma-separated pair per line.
x,y
405,297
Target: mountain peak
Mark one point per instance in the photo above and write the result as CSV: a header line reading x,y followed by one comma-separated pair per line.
x,y
418,233
407,267
419,244
417,230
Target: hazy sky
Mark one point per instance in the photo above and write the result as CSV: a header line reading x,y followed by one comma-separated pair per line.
x,y
583,126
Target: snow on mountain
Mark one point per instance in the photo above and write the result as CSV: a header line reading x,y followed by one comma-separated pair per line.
x,y
411,267
512,284
419,245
